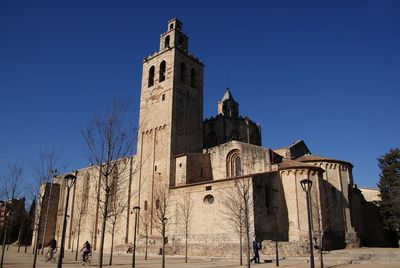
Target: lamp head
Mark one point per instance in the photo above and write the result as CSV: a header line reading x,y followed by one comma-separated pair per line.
x,y
136,209
306,184
69,180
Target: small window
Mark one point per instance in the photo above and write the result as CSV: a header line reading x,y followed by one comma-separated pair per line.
x,y
157,204
155,168
208,188
208,199
166,44
180,164
145,205
162,71
163,97
151,76
183,73
171,26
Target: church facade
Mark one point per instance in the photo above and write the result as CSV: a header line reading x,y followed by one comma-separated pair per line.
x,y
200,163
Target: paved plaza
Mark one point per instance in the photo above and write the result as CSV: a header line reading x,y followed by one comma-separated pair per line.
x,y
361,258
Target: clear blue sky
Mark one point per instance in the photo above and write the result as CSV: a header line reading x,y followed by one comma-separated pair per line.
x,y
327,72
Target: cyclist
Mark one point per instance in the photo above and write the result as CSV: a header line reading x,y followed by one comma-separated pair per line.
x,y
86,250
52,249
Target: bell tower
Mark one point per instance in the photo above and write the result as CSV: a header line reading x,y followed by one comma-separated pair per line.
x,y
171,110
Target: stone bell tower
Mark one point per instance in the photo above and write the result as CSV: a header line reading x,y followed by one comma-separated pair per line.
x,y
171,110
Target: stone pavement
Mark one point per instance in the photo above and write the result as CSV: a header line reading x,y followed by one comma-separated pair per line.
x,y
354,258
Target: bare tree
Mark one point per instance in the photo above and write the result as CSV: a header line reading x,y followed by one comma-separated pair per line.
x,y
81,210
117,207
44,169
146,224
109,137
238,203
187,208
161,199
12,183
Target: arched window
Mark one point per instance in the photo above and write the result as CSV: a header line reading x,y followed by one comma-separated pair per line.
x,y
166,44
193,78
151,76
233,164
85,194
113,193
183,73
162,71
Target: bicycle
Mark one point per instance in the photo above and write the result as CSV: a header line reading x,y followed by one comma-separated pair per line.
x,y
51,255
88,259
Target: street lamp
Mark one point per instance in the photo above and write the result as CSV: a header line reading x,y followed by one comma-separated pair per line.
x,y
276,238
69,182
306,184
164,222
136,210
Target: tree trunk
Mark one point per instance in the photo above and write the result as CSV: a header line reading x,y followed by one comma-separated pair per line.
x,y
241,245
77,242
186,247
248,248
112,244
103,231
3,247
19,236
147,243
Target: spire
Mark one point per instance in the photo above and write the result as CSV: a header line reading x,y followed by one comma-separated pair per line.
x,y
227,95
227,106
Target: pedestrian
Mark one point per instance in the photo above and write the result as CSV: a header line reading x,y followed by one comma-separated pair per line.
x,y
256,257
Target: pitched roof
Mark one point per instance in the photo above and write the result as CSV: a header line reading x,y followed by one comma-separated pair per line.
x,y
312,158
288,164
227,95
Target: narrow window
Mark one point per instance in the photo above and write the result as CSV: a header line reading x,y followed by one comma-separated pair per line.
x,y
166,42
193,78
163,97
162,71
85,194
157,204
151,76
183,73
155,168
145,205
171,26
238,168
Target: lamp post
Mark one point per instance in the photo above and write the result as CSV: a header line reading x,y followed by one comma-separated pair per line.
x,y
69,182
306,184
164,222
136,210
276,238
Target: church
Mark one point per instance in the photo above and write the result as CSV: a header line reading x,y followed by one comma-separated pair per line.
x,y
202,164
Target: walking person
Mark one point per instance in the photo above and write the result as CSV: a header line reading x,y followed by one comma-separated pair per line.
x,y
256,257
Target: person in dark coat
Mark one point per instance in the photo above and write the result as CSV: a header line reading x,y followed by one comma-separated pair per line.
x,y
256,257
